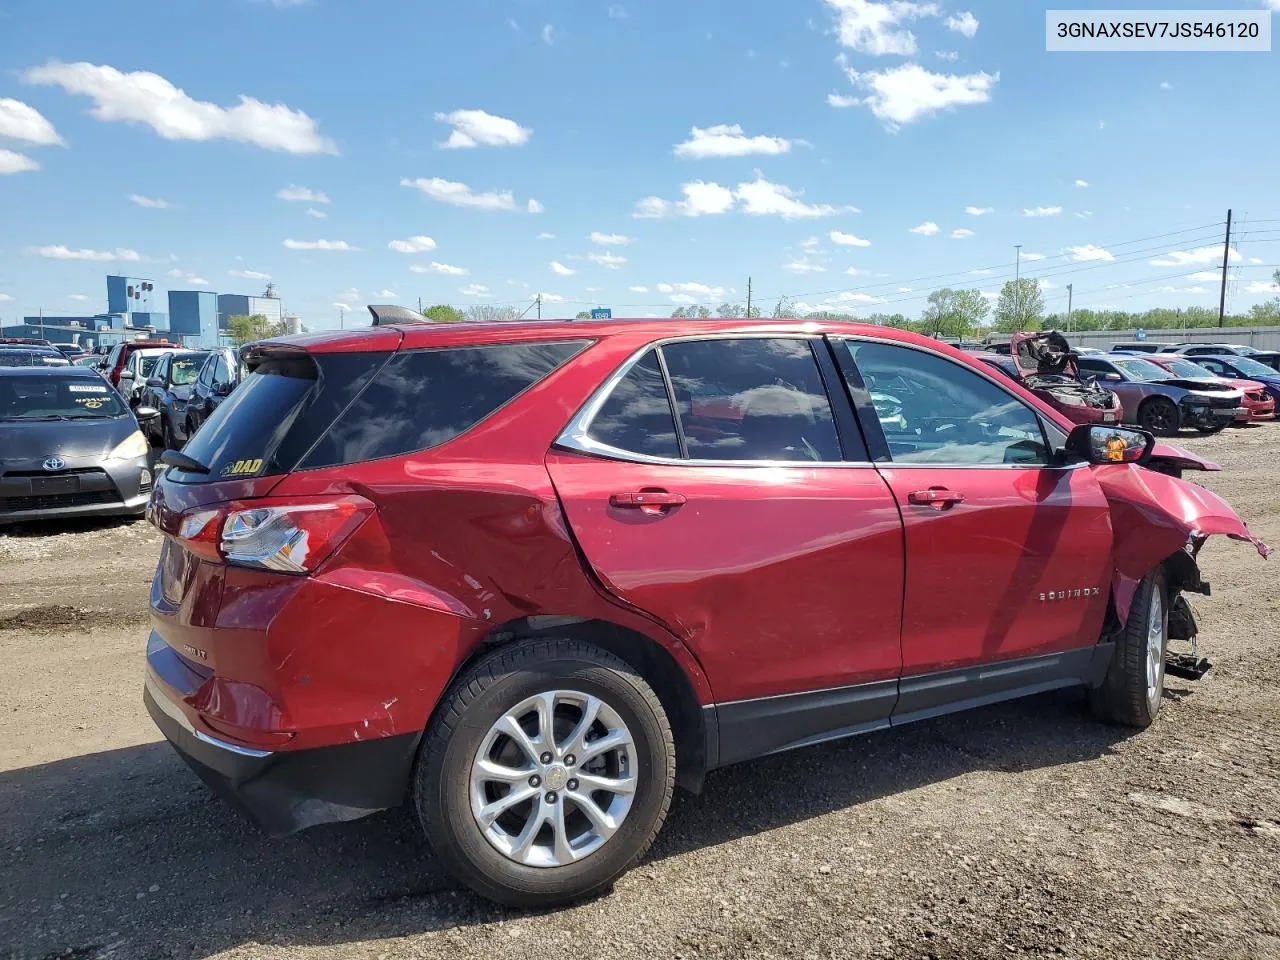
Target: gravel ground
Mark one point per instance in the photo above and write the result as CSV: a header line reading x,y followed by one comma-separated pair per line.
x,y
1024,828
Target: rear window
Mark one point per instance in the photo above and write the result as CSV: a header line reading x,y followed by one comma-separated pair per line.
x,y
423,398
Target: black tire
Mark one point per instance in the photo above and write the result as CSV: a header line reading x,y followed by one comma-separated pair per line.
x,y
477,700
1159,415
167,441
1126,696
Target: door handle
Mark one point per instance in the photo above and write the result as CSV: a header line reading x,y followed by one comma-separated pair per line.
x,y
647,499
940,498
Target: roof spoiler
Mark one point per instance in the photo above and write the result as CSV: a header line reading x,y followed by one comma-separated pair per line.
x,y
386,314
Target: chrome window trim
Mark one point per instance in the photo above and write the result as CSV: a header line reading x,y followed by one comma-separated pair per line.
x,y
576,436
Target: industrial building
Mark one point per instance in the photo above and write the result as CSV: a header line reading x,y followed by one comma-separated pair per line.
x,y
196,318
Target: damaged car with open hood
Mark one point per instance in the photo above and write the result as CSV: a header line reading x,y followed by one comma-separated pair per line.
x,y
1045,364
527,578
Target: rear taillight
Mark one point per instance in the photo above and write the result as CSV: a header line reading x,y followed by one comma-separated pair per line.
x,y
283,534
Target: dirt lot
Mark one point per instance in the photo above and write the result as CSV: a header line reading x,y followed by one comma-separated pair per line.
x,y
1019,829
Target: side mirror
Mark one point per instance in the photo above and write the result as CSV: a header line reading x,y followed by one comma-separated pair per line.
x,y
155,382
126,374
145,414
1097,443
1112,377
223,389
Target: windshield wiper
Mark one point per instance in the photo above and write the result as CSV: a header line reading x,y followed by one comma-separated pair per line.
x,y
180,460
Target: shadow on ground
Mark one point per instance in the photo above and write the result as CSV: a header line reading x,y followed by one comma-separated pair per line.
x,y
126,853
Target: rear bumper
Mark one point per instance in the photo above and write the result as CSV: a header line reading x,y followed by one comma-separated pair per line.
x,y
286,791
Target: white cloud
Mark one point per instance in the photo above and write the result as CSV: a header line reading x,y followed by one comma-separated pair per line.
x,y
592,289
985,272
811,244
803,265
609,260
1082,183
926,229
726,140
419,244
1205,276
461,195
533,206
638,289
961,233
847,239
1033,256
249,274
78,297
979,211
1166,85
474,290
1041,211
1262,286
617,12
1255,259
476,128
11,162
317,214
344,307
991,294
1084,214
301,194
966,24
903,290
319,245
762,198
546,236
189,277
909,92
1194,258
151,203
559,268
389,294
5,298
19,121
1089,252
548,35
148,98
610,239
60,252
691,292
549,297
1047,285
875,28
948,55
447,269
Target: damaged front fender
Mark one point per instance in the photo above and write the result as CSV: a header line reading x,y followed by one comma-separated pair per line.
x,y
1153,517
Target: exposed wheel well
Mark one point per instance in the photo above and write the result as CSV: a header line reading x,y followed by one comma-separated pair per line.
x,y
650,660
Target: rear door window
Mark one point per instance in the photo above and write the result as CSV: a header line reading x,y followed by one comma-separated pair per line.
x,y
423,398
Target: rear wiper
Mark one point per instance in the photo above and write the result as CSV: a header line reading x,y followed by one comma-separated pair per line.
x,y
174,458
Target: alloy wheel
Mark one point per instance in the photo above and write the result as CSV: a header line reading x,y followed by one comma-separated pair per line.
x,y
1155,645
554,778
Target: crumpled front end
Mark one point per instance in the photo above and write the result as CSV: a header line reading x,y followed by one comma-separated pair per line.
x,y
1155,517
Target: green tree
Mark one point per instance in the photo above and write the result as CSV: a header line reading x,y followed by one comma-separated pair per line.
x,y
1020,307
889,320
246,329
691,313
582,315
954,313
731,311
443,313
784,309
488,313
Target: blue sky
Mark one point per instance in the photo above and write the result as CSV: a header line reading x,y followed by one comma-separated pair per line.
x,y
633,155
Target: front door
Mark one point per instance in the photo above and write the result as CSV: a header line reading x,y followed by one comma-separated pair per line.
x,y
1007,556
748,525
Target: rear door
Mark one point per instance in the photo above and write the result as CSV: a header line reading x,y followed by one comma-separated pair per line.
x,y
1007,555
751,524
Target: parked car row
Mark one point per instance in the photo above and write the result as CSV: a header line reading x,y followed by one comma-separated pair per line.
x,y
1162,392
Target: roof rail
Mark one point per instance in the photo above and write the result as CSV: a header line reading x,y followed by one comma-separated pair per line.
x,y
386,314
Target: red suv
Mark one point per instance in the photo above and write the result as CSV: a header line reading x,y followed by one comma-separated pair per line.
x,y
532,576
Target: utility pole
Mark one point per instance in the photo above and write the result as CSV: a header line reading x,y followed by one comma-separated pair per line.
x,y
748,298
1226,253
1068,306
419,304
42,323
540,306
342,319
1017,283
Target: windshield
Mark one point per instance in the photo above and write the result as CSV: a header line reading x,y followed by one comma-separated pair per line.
x,y
24,358
1185,368
1252,368
1141,370
184,370
57,398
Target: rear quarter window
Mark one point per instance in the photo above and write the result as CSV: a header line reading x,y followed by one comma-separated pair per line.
x,y
423,398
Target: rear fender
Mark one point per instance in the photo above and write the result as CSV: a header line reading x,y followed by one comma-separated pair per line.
x,y
1153,517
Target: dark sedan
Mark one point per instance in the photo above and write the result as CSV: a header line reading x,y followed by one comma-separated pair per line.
x,y
221,373
168,389
31,356
1246,368
1160,402
69,446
